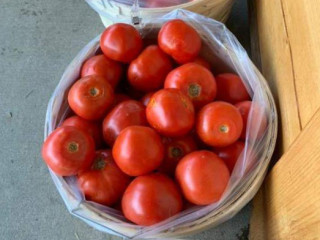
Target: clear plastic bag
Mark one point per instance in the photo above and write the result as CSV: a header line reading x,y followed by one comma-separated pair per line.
x,y
225,53
112,11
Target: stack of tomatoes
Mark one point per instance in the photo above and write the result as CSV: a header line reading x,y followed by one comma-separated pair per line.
x,y
166,135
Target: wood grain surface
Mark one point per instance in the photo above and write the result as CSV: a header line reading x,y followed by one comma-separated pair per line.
x,y
288,207
285,40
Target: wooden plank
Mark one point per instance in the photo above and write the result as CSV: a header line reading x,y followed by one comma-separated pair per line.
x,y
274,52
292,190
285,40
276,65
303,27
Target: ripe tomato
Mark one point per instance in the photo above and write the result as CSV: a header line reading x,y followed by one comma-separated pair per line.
x,y
68,150
204,63
149,70
104,183
151,199
93,128
90,97
179,40
104,67
195,81
146,98
258,119
119,98
202,176
138,150
170,112
231,88
175,149
125,114
219,124
121,42
230,154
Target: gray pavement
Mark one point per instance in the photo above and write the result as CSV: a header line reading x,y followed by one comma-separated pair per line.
x,y
38,39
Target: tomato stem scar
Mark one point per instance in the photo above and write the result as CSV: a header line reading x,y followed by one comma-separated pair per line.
x,y
224,128
176,152
93,91
99,164
73,147
194,90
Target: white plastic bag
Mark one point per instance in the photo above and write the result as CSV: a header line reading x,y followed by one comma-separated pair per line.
x,y
112,11
225,53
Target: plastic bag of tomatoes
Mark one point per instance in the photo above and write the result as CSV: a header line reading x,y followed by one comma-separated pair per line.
x,y
160,130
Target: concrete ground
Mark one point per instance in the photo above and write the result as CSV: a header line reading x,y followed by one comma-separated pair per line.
x,y
38,39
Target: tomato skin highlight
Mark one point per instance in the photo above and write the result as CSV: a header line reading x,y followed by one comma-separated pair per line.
x,y
175,150
93,128
195,81
104,67
125,114
258,116
171,113
146,98
231,88
219,124
202,177
121,42
90,97
179,40
230,154
150,199
68,151
104,183
149,70
138,150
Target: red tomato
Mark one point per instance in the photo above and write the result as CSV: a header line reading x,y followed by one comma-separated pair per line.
x,y
258,119
121,42
170,112
195,81
146,98
125,114
93,128
138,150
219,124
175,149
204,63
104,67
230,154
149,70
68,150
179,40
104,183
119,98
231,88
90,97
151,199
203,177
